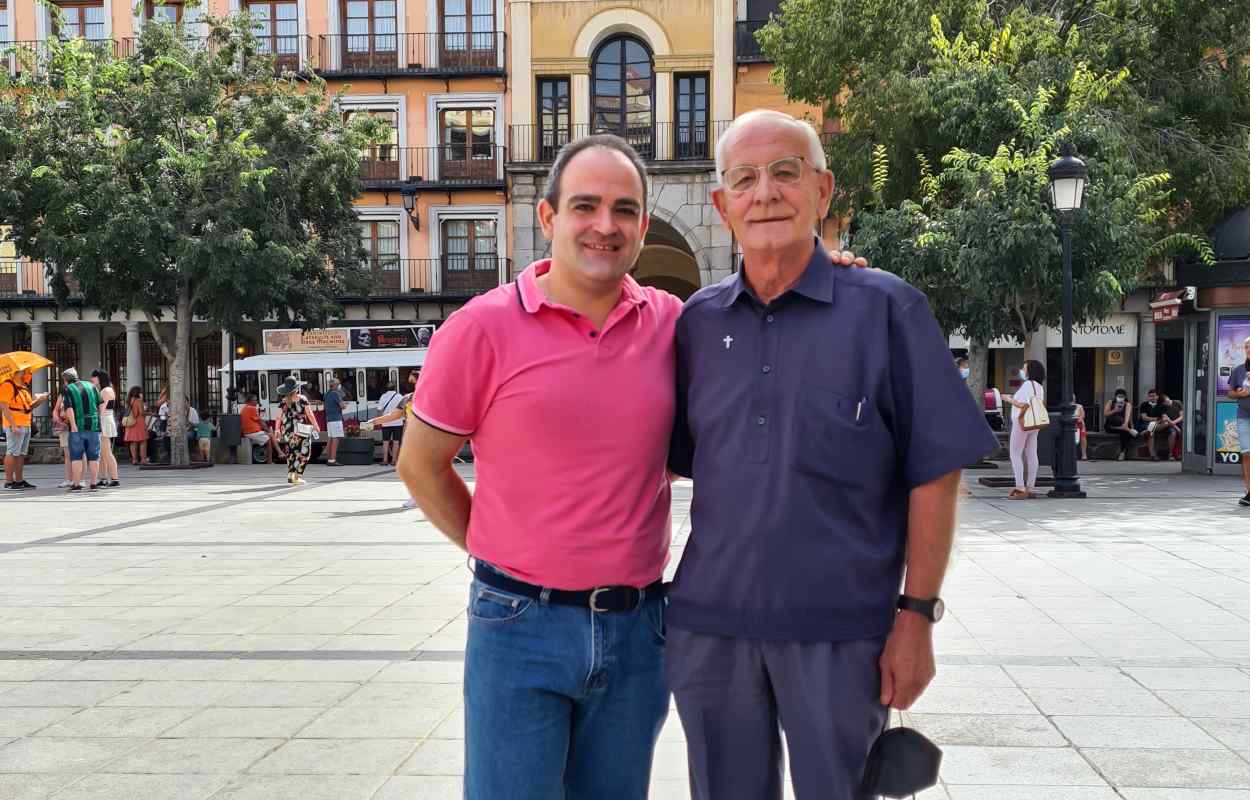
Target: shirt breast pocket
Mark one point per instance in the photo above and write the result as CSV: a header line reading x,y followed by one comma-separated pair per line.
x,y
841,438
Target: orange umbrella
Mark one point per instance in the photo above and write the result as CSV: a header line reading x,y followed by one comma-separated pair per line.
x,y
13,363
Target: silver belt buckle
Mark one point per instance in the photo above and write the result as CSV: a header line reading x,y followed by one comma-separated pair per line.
x,y
594,599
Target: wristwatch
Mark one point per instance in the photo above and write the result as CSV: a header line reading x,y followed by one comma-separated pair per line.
x,y
932,610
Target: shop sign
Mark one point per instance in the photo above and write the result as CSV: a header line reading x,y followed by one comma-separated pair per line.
x,y
1115,358
313,340
1227,445
392,338
1167,306
1230,349
1117,330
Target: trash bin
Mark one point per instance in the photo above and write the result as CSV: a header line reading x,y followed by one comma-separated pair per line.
x,y
230,430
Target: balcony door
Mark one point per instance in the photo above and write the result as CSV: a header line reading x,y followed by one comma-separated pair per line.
x,y
554,125
9,264
380,239
623,92
691,135
170,12
470,256
81,20
380,162
468,149
371,41
468,38
276,25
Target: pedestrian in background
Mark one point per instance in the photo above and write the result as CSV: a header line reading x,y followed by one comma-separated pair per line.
x,y
393,428
253,427
1023,444
1239,390
82,408
16,405
334,420
108,428
136,426
298,427
204,434
1081,432
1119,420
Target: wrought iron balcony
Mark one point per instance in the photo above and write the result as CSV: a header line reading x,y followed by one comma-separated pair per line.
x,y
746,48
290,53
449,166
439,55
455,275
662,142
33,56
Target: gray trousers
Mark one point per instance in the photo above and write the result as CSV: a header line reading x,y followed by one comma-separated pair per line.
x,y
735,696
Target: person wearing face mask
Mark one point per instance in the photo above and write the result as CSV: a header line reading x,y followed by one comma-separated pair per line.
x,y
964,369
1023,444
1119,420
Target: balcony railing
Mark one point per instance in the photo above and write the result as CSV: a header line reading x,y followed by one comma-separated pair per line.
x,y
746,48
444,167
20,278
432,54
454,275
662,142
19,57
290,53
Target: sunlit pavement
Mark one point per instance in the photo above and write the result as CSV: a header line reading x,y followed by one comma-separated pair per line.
x,y
217,633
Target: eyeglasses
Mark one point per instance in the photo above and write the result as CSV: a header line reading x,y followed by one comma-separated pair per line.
x,y
744,177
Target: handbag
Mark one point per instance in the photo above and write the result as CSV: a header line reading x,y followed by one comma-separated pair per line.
x,y
303,430
902,763
127,421
1035,417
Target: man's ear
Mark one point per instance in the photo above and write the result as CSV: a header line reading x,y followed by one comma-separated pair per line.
x,y
718,202
546,218
826,192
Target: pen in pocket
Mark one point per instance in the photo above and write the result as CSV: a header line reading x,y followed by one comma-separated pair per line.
x,y
859,408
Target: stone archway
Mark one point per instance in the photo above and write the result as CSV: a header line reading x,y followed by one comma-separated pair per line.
x,y
667,262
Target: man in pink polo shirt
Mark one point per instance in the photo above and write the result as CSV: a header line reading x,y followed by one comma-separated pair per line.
x,y
565,382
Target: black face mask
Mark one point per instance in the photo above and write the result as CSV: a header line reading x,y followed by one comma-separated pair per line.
x,y
902,762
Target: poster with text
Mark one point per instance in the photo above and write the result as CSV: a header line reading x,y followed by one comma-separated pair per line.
x,y
1230,349
1227,447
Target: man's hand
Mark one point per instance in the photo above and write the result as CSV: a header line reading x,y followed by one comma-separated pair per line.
x,y
907,664
846,258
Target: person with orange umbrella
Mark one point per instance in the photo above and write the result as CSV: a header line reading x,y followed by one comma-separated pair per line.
x,y
16,405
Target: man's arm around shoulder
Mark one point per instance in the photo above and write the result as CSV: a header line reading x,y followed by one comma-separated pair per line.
x,y
425,465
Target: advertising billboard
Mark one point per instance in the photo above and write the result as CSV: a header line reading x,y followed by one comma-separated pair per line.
x,y
1230,349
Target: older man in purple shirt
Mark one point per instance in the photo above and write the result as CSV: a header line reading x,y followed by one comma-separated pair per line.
x,y
825,427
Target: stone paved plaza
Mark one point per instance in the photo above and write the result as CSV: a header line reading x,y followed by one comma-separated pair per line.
x,y
219,634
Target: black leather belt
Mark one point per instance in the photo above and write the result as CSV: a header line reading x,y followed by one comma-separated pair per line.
x,y
603,599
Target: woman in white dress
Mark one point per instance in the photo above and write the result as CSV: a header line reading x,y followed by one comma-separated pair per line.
x,y
108,428
1023,445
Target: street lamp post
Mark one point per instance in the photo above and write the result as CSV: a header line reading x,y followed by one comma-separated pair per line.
x,y
1067,185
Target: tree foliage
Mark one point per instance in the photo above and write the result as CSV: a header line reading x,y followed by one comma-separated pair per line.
x,y
188,176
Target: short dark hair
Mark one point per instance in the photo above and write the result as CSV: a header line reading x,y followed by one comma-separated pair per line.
x,y
1035,371
102,377
607,141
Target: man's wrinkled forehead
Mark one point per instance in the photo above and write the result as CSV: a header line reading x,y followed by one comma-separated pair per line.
x,y
762,139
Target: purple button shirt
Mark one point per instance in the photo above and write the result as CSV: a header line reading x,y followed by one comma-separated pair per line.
x,y
805,425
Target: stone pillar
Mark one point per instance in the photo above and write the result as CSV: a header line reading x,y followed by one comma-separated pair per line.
x,y
1146,376
528,243
226,375
666,139
134,355
581,102
41,423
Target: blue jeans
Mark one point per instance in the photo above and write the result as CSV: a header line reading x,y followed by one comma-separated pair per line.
x,y
561,703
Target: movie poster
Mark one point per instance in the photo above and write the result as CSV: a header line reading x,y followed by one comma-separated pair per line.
x,y
1227,448
1230,346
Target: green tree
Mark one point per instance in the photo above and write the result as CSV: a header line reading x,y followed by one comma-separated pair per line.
x,y
189,176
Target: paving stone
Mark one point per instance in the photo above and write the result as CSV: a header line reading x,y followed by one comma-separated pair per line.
x,y
62,693
336,757
1189,679
1070,677
164,694
368,722
1172,768
245,722
303,787
40,754
124,722
413,787
148,787
1099,702
971,700
988,730
1193,704
31,786
1135,732
1030,793
16,722
275,694
1172,793
200,756
1016,766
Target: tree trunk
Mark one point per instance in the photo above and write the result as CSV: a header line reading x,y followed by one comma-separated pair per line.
x,y
979,369
179,455
1035,346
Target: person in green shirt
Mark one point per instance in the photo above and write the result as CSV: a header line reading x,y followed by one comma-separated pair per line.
x,y
82,412
204,433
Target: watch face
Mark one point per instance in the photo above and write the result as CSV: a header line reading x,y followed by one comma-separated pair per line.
x,y
939,609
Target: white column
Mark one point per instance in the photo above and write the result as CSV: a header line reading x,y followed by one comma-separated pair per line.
x,y
667,137
581,100
39,383
521,85
226,376
134,355
1146,376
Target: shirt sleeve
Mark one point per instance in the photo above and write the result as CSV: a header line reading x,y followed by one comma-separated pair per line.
x,y
937,425
459,377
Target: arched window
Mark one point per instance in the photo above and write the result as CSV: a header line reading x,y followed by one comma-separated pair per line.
x,y
623,92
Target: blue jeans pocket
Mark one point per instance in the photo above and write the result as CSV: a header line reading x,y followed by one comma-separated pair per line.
x,y
487,604
654,613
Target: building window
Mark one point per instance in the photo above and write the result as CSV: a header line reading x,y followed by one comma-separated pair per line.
x,y
554,123
467,136
371,41
276,25
468,31
623,92
470,256
85,20
8,262
691,116
380,239
4,21
168,11
380,162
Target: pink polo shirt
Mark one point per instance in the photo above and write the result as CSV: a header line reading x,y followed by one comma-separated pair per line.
x,y
570,429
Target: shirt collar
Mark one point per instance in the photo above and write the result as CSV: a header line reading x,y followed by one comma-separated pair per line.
x,y
816,282
532,297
